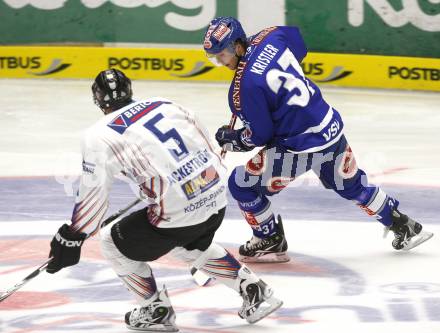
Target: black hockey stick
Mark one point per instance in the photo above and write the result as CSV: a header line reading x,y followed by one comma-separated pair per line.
x,y
24,281
43,267
231,126
120,212
201,278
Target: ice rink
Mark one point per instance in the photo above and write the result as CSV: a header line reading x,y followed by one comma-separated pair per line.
x,y
343,276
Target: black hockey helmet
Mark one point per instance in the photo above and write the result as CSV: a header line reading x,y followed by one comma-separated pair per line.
x,y
111,90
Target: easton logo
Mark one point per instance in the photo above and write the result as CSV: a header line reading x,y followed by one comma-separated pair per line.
x,y
68,243
56,66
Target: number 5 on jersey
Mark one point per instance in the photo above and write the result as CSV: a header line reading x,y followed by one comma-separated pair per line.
x,y
181,152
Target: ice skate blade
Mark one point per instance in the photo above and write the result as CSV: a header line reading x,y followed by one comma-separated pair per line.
x,y
274,304
267,258
422,237
158,328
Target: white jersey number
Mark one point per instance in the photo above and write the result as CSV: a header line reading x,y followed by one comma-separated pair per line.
x,y
290,82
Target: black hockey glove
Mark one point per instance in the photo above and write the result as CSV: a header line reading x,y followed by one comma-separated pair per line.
x,y
65,249
232,140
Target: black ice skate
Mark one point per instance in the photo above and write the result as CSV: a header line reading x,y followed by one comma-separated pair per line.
x,y
258,301
271,249
407,232
158,316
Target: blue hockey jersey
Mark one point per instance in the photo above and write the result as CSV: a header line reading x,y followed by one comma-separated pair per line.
x,y
274,99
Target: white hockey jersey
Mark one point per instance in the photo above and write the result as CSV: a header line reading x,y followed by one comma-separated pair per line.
x,y
162,148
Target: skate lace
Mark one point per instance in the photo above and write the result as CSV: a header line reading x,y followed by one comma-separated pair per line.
x,y
402,232
403,228
401,239
144,313
256,243
402,235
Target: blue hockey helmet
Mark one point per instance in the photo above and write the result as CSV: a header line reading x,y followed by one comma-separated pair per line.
x,y
222,33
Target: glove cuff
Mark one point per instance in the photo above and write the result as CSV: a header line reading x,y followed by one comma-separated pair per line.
x,y
245,138
66,235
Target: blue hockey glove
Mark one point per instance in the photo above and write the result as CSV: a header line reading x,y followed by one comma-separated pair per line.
x,y
233,140
65,249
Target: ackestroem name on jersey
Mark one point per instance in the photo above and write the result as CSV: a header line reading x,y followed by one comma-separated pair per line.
x,y
196,163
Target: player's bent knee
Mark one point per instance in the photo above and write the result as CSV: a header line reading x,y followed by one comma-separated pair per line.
x,y
243,185
121,265
351,191
188,256
233,185
214,251
267,192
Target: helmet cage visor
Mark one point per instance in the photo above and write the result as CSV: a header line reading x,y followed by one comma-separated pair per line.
x,y
111,89
99,97
223,57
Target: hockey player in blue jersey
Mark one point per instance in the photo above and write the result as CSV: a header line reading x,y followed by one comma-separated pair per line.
x,y
285,113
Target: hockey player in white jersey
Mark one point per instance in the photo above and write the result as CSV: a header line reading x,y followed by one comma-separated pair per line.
x,y
164,149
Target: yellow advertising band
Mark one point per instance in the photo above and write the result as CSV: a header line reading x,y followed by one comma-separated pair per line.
x,y
348,70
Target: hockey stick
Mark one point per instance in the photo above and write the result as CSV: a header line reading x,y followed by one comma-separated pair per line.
x,y
43,267
119,213
201,278
231,126
9,292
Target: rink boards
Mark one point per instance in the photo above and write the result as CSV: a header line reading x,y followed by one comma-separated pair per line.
x,y
178,64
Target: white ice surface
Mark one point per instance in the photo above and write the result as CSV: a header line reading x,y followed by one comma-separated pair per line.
x,y
394,136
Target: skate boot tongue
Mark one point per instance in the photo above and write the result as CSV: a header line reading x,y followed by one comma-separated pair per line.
x,y
254,243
